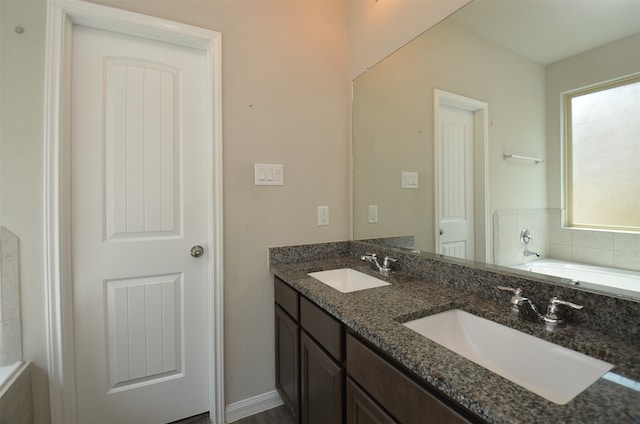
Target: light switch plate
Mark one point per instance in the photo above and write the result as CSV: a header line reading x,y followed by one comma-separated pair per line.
x,y
269,174
409,179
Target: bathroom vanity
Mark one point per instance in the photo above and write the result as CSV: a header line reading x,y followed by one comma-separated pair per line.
x,y
347,356
325,351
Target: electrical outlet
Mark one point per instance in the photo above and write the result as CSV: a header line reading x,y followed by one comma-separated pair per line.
x,y
373,214
323,215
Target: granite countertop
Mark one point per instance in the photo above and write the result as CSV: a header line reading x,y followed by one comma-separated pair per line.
x,y
376,315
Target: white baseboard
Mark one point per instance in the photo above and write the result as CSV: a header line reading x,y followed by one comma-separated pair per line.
x,y
253,405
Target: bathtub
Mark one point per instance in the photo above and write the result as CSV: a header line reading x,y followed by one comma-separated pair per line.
x,y
16,401
7,371
590,276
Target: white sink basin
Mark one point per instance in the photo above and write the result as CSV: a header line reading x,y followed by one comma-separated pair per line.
x,y
347,280
551,371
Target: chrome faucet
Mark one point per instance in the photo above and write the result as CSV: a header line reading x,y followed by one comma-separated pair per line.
x,y
385,268
516,300
526,309
552,310
526,238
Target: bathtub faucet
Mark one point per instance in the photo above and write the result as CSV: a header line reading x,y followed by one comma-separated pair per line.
x,y
528,252
527,239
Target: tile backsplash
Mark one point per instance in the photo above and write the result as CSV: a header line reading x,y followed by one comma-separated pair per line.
x,y
603,248
507,225
10,332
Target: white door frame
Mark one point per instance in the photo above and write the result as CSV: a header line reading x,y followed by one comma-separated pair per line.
x,y
480,112
62,15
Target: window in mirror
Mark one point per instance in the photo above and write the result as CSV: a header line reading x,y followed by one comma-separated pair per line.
x,y
602,140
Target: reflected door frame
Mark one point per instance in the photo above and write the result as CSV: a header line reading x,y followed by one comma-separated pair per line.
x,y
480,112
62,16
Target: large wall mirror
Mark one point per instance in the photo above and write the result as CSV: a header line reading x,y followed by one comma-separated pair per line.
x,y
466,121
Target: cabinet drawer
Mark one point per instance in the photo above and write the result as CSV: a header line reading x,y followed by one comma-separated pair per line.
x,y
321,326
402,397
286,297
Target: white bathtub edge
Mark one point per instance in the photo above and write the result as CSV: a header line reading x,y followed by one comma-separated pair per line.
x,y
10,374
610,286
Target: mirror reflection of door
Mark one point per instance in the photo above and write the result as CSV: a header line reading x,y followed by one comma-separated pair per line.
x,y
455,182
460,174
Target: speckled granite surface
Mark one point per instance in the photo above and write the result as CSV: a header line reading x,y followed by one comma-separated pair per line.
x,y
434,286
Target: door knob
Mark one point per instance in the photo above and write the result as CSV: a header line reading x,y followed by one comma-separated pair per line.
x,y
197,251
441,232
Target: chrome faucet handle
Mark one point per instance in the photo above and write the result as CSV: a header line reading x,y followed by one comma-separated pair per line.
x,y
516,300
526,237
517,291
388,261
555,301
370,257
552,319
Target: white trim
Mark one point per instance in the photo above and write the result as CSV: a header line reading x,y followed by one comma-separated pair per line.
x,y
480,109
216,228
253,405
62,15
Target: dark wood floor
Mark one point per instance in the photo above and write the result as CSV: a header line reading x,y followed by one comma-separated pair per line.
x,y
279,415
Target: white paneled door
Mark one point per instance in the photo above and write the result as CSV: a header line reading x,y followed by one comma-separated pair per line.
x,y
455,182
140,195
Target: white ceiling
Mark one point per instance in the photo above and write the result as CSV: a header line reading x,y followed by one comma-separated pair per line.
x,y
546,31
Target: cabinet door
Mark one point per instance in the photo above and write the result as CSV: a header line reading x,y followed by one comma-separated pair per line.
x,y
321,384
287,361
361,409
398,394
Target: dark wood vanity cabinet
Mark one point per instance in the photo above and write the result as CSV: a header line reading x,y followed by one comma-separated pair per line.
x,y
309,354
361,409
321,382
392,390
287,361
287,341
326,375
322,370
